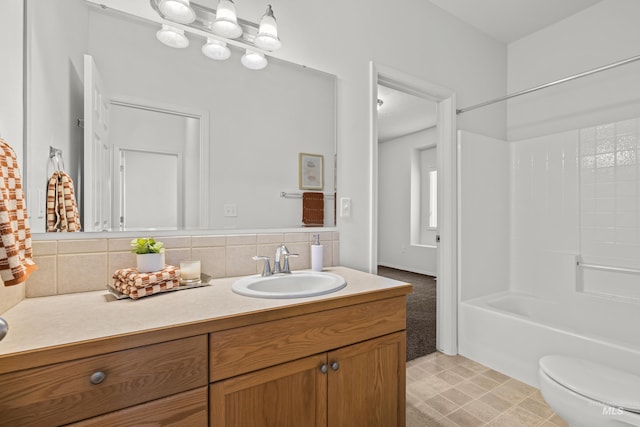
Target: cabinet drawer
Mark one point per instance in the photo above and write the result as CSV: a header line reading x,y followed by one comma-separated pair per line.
x,y
64,393
246,349
188,409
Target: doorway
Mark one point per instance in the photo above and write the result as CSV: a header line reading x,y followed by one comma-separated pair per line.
x,y
446,206
407,207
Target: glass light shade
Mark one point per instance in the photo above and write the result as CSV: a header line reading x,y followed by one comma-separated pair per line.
x,y
253,60
172,36
267,37
215,49
177,10
226,23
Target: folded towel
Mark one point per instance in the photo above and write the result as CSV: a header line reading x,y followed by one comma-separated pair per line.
x,y
312,209
135,292
131,276
16,263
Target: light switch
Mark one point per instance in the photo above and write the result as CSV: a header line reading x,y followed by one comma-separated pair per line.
x,y
230,210
345,207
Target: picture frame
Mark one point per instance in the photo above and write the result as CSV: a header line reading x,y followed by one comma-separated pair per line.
x,y
310,171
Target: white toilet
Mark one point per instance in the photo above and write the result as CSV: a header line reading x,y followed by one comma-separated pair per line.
x,y
588,394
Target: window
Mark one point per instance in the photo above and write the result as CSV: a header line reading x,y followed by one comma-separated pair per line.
x,y
433,199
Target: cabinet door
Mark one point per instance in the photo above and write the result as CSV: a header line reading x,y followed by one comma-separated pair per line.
x,y
292,394
366,383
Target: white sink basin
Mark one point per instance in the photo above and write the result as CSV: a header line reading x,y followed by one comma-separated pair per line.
x,y
298,284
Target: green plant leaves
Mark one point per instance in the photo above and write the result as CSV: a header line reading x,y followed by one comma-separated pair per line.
x,y
146,246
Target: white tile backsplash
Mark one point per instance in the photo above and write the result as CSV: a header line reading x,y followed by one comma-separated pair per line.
x,y
67,266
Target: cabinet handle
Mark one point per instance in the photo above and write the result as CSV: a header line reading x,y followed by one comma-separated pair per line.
x,y
324,368
335,366
97,377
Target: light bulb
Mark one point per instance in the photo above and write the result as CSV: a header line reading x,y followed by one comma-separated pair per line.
x,y
226,23
253,60
177,10
267,37
172,36
216,49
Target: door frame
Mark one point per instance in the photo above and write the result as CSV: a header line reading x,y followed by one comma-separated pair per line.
x,y
447,280
203,144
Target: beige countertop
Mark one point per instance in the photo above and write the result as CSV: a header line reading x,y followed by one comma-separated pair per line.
x,y
62,320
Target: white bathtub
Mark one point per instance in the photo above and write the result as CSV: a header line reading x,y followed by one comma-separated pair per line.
x,y
509,332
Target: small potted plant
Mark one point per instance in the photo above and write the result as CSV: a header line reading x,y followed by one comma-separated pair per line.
x,y
149,254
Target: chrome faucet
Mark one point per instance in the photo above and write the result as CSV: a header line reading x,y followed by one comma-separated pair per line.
x,y
278,268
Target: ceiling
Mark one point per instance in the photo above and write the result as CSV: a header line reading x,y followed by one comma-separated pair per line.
x,y
510,20
402,114
504,20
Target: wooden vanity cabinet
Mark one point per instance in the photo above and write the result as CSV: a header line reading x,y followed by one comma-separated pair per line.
x,y
79,389
358,385
341,367
328,363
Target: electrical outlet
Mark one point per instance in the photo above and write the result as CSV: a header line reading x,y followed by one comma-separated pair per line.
x,y
230,210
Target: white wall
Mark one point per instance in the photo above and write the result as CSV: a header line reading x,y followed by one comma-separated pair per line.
x,y
602,34
394,205
11,105
484,215
420,40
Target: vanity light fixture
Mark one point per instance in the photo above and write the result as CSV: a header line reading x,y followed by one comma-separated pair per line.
x,y
178,10
222,28
215,49
226,23
267,37
172,36
253,60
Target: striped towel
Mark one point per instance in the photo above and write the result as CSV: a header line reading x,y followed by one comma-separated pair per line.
x,y
131,276
135,285
135,292
62,210
16,263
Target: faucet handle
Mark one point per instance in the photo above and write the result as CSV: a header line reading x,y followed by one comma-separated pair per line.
x,y
286,269
267,267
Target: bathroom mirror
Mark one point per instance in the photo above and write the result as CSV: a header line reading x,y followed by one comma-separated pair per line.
x,y
189,142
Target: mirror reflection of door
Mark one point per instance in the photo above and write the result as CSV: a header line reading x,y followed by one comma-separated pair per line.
x,y
95,195
146,196
152,186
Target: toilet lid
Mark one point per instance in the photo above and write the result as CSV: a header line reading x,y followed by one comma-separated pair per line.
x,y
607,385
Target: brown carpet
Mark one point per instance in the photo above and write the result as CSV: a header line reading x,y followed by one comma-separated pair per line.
x,y
421,311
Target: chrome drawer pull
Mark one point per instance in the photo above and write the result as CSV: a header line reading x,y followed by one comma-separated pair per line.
x,y
335,366
97,377
324,368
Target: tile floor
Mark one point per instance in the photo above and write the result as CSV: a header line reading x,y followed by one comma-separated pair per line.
x,y
453,391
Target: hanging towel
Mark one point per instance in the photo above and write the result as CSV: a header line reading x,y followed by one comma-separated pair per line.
x,y
16,263
62,211
313,209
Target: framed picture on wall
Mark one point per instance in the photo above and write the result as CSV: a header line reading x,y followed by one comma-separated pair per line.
x,y
311,171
